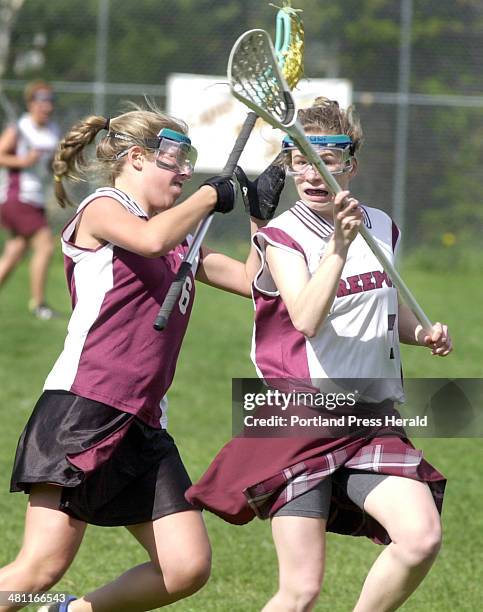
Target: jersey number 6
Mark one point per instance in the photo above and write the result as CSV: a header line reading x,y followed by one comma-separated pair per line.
x,y
184,300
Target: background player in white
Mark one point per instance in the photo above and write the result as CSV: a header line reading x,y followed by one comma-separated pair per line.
x,y
26,152
325,309
95,449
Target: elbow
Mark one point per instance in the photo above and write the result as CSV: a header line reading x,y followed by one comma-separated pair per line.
x,y
305,328
154,247
308,324
308,332
153,253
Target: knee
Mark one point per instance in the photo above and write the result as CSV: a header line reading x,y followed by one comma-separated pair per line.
x,y
42,574
197,573
300,596
44,245
188,575
420,544
14,251
49,247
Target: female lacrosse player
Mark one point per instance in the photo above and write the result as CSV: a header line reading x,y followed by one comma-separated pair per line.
x,y
26,151
95,449
325,309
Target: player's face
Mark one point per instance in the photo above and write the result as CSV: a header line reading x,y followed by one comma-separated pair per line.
x,y
41,106
163,187
311,186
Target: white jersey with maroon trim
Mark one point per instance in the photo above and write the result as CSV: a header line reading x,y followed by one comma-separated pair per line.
x,y
29,185
112,354
359,338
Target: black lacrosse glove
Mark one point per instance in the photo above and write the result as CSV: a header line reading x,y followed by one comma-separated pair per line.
x,y
262,195
226,192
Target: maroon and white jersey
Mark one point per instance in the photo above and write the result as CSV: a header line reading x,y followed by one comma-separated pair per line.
x,y
112,354
359,338
29,185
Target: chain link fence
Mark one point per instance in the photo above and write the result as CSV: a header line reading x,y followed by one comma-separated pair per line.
x,y
415,67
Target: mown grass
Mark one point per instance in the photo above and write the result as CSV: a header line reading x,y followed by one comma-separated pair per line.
x,y
216,350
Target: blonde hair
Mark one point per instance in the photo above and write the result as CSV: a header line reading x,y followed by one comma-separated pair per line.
x,y
133,128
326,115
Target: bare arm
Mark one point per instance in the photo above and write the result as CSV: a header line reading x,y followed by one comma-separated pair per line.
x,y
105,220
226,273
412,332
309,299
8,159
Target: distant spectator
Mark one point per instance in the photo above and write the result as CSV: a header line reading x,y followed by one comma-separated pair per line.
x,y
26,152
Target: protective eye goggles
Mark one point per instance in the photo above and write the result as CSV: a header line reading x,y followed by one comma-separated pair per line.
x,y
336,151
173,150
43,96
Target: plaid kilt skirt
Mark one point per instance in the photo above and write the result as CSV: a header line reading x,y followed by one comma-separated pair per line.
x,y
256,476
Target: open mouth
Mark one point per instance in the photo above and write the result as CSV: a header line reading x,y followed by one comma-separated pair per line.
x,y
317,192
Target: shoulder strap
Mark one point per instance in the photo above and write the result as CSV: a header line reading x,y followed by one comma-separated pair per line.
x,y
110,192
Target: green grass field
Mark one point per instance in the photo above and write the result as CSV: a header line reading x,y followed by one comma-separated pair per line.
x,y
217,349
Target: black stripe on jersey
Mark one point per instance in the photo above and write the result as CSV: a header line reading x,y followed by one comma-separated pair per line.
x,y
307,224
318,224
312,222
365,217
131,204
314,216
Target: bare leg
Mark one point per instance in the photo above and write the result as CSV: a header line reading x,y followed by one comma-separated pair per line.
x,y
179,565
51,540
300,545
12,255
42,244
406,509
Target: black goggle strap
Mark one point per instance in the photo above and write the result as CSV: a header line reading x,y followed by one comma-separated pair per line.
x,y
123,138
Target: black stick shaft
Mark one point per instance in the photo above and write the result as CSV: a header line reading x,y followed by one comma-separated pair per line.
x,y
171,297
176,286
240,143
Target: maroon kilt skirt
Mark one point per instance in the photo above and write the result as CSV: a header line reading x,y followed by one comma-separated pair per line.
x,y
256,476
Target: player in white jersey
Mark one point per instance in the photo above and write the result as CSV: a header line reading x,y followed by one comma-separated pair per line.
x,y
325,309
26,153
95,449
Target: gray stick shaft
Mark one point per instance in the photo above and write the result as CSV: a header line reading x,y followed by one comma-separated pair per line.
x,y
185,268
297,133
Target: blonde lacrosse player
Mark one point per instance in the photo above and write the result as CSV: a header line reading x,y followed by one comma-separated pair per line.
x,y
95,449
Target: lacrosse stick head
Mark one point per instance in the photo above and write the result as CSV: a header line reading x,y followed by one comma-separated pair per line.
x,y
256,79
289,43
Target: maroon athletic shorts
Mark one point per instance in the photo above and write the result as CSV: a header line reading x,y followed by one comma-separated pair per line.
x,y
22,219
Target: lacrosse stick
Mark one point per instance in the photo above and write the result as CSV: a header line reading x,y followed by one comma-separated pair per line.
x,y
259,84
291,58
